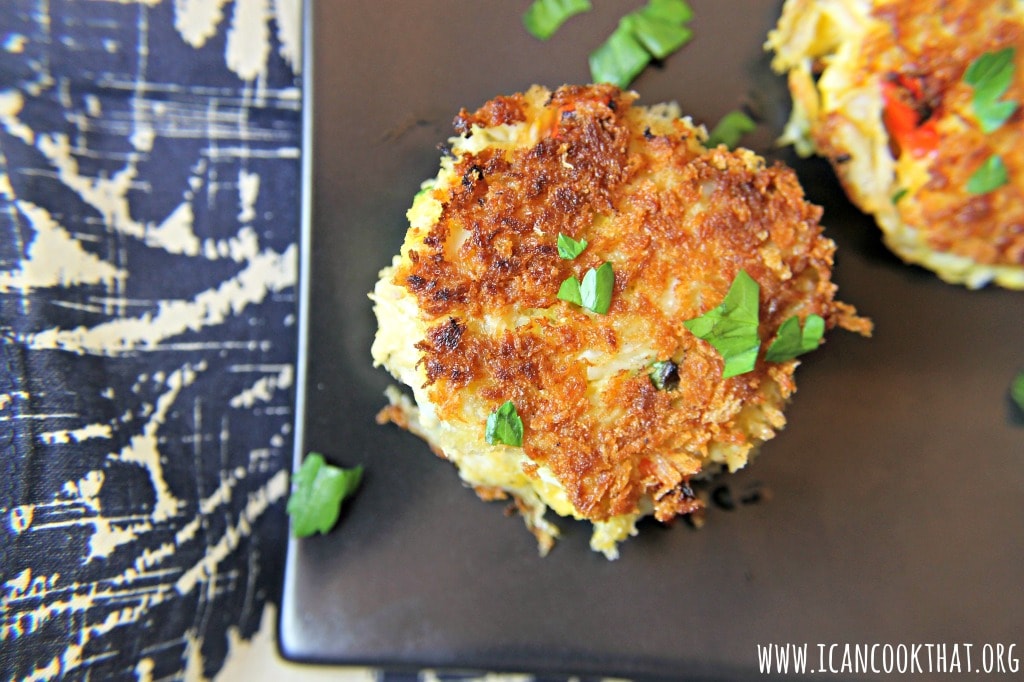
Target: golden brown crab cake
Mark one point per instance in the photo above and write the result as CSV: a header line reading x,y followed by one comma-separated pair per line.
x,y
881,88
470,317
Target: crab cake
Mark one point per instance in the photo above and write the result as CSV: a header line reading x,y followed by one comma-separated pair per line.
x,y
539,307
915,105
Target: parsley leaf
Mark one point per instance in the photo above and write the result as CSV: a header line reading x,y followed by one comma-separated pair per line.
x,y
1017,390
594,293
991,75
543,17
569,248
732,327
730,129
791,342
596,288
678,11
504,426
658,36
318,489
620,58
989,176
654,31
570,291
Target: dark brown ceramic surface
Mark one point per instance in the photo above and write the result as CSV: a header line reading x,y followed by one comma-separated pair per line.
x,y
895,502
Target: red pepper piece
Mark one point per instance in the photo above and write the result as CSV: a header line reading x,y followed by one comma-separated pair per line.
x,y
903,118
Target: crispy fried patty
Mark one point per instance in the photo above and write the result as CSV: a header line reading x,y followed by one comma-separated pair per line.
x,y
469,315
879,90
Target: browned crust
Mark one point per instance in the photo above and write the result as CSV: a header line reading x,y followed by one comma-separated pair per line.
x,y
670,211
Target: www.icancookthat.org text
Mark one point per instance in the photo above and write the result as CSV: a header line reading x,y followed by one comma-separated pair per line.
x,y
878,658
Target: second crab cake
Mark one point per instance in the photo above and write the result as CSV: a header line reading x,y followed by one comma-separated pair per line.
x,y
917,106
591,308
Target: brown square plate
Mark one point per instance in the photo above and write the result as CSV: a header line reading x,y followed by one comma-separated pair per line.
x,y
896,503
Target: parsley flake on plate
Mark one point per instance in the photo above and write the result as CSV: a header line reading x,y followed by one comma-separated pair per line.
x,y
730,129
732,326
543,17
654,31
318,490
1017,390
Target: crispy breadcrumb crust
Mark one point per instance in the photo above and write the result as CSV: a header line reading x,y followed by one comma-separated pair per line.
x,y
676,221
840,56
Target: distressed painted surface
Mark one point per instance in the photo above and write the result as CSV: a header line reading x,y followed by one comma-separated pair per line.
x,y
149,184
149,161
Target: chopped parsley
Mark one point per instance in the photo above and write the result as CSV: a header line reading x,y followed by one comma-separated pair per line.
x,y
504,427
989,176
659,35
570,291
732,327
595,291
596,288
543,17
569,248
1017,390
652,32
730,129
791,341
990,75
620,58
318,489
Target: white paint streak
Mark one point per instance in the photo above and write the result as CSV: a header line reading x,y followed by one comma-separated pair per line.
x,y
175,234
142,137
6,189
50,599
79,435
289,31
11,102
248,191
264,388
108,536
86,491
8,398
55,258
193,657
267,272
243,247
258,502
144,670
15,43
108,195
20,518
197,20
143,448
222,495
50,671
248,40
